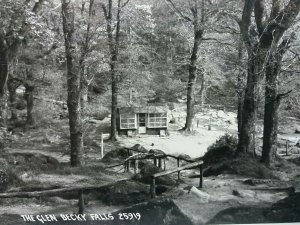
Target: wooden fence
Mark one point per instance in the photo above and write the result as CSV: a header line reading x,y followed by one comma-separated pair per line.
x,y
178,170
157,157
60,191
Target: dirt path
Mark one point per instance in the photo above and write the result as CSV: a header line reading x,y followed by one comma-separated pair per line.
x,y
220,193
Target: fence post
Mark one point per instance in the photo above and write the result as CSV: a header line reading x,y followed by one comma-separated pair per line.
x,y
159,163
128,161
165,164
201,177
152,188
154,161
286,147
128,165
178,173
134,166
209,125
80,202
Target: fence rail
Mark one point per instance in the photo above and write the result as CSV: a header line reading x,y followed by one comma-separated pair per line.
x,y
198,164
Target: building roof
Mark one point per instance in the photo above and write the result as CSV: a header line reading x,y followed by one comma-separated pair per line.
x,y
143,109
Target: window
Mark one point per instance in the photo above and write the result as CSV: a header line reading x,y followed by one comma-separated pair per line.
x,y
157,120
128,121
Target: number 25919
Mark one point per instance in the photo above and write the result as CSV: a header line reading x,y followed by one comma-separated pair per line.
x,y
129,216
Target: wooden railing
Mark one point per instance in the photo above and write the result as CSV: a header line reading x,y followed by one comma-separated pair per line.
x,y
178,170
60,191
157,159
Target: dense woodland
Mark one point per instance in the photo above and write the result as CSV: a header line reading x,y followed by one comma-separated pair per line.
x,y
78,61
243,54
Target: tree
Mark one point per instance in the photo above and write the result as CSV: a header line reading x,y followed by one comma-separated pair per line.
x,y
113,45
197,19
15,27
73,83
85,49
282,20
261,38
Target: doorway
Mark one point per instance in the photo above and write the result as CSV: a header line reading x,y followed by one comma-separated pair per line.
x,y
142,123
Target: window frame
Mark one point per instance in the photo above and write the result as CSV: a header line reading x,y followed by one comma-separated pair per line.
x,y
128,128
155,117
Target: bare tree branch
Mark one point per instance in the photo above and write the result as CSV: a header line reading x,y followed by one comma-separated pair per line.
x,y
104,10
280,96
246,21
178,11
124,4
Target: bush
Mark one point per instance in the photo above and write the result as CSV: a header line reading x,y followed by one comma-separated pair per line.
x,y
97,112
8,176
243,165
227,140
5,138
223,148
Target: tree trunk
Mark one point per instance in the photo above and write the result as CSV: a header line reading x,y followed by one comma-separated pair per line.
x,y
247,133
84,89
3,80
12,99
272,102
3,67
240,85
82,64
114,105
192,79
202,90
3,109
30,103
113,44
73,82
240,111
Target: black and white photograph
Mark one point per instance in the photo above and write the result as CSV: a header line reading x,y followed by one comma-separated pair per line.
x,y
149,112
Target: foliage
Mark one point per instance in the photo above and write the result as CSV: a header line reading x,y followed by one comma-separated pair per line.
x,y
223,149
8,176
244,165
227,140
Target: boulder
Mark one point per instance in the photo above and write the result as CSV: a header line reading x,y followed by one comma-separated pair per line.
x,y
203,196
185,156
244,193
116,155
157,152
139,148
158,211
